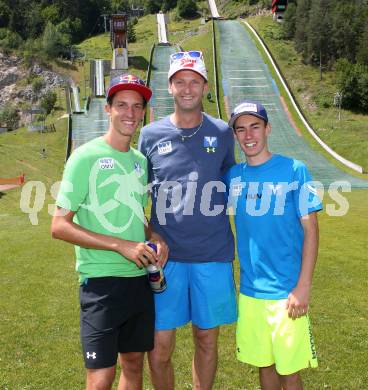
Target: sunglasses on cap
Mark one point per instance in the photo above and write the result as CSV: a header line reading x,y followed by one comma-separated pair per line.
x,y
185,54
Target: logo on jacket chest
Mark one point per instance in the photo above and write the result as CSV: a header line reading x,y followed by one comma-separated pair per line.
x,y
137,167
164,147
106,163
210,144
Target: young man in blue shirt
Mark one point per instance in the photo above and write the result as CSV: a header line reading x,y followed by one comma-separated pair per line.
x,y
188,152
275,209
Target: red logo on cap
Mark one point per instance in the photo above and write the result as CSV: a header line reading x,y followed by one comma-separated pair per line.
x,y
187,63
129,78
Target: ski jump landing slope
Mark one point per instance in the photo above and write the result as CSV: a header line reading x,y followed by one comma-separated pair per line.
x,y
93,123
213,9
246,76
161,103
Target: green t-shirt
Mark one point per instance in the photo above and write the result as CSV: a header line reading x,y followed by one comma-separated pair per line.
x,y
107,190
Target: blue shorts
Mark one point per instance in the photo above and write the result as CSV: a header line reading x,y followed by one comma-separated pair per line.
x,y
203,293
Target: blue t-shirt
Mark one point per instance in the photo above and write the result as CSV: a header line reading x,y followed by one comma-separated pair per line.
x,y
188,196
268,201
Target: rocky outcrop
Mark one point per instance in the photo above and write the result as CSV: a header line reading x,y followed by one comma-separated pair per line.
x,y
9,75
13,91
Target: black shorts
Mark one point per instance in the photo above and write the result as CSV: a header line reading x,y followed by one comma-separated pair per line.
x,y
116,315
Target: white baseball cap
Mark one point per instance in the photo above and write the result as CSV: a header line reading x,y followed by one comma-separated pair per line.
x,y
187,60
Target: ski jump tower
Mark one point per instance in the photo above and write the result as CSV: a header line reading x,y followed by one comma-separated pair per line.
x,y
119,41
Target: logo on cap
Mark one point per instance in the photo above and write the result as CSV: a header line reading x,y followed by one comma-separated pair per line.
x,y
191,60
129,82
251,107
130,78
187,63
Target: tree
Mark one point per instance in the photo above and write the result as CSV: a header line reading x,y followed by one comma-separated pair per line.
x,y
301,34
52,41
4,14
345,30
9,39
363,86
120,6
131,32
51,14
34,24
68,30
319,32
289,25
167,5
48,101
187,8
362,50
9,117
353,83
32,49
153,6
37,85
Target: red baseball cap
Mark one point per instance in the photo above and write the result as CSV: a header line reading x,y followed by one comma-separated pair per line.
x,y
129,82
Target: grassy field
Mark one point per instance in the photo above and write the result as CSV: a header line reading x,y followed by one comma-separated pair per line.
x,y
39,290
39,322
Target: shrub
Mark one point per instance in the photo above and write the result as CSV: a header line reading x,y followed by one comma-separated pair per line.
x,y
37,84
353,83
48,101
9,117
9,40
187,8
131,33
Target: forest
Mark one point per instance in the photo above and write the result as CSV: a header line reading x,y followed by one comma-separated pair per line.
x,y
333,34
330,34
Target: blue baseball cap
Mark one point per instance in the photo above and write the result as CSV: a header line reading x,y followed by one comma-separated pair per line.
x,y
248,107
129,82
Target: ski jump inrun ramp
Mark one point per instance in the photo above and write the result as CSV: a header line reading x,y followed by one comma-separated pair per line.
x,y
213,9
161,27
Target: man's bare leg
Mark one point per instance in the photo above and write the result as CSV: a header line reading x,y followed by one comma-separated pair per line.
x,y
269,378
204,364
291,382
100,379
131,376
159,359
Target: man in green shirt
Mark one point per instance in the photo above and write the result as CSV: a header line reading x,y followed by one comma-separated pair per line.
x,y
100,211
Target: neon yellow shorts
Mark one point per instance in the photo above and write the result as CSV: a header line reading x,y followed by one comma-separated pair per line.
x,y
265,335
